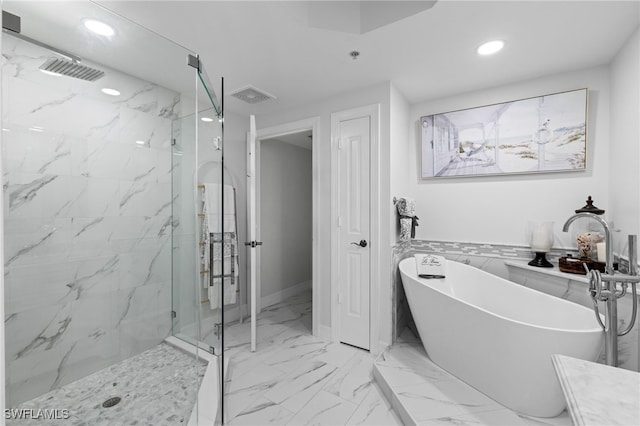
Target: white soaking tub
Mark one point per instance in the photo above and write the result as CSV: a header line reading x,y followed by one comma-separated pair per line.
x,y
498,336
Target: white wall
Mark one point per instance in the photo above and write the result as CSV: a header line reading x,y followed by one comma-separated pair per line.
x,y
625,143
400,155
2,365
496,209
286,215
624,178
378,94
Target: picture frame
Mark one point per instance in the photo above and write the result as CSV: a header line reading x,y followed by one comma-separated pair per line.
x,y
541,134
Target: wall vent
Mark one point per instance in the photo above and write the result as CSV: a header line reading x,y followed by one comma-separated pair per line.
x,y
252,95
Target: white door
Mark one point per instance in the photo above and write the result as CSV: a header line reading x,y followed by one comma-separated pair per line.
x,y
354,235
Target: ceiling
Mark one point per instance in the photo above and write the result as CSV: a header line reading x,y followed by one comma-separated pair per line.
x,y
285,48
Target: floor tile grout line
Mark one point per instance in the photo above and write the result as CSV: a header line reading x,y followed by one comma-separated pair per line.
x,y
332,378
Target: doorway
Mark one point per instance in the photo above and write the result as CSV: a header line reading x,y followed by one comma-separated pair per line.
x,y
305,131
284,222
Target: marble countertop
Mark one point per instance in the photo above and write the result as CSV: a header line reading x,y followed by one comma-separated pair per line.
x,y
598,394
523,264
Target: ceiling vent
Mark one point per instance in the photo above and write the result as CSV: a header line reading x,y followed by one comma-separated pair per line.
x,y
252,95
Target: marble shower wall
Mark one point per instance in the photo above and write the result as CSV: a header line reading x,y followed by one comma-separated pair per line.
x,y
491,258
87,220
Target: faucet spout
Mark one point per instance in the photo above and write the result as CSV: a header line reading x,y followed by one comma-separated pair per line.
x,y
607,235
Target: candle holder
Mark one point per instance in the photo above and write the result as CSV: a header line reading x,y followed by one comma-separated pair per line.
x,y
540,240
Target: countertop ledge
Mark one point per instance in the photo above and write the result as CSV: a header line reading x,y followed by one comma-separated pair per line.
x,y
523,264
598,394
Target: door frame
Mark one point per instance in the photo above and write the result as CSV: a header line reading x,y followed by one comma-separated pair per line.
x,y
312,124
373,112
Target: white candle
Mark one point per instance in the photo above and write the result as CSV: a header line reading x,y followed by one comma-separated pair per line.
x,y
602,252
540,240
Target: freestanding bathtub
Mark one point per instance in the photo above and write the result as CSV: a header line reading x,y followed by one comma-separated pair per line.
x,y
498,336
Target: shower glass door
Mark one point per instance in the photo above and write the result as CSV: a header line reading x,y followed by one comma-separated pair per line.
x,y
197,207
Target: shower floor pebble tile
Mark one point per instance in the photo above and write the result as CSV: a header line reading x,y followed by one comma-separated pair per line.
x,y
158,387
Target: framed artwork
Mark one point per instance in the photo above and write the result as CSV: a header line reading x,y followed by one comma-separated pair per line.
x,y
535,135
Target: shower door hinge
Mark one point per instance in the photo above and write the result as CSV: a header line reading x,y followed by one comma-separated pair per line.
x,y
217,327
173,314
194,61
173,141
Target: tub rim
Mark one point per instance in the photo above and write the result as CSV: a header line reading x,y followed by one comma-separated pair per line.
x,y
424,281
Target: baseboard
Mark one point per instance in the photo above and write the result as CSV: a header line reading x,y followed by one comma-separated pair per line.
x,y
281,295
233,314
324,332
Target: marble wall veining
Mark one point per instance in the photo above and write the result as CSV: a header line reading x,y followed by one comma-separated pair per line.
x,y
87,220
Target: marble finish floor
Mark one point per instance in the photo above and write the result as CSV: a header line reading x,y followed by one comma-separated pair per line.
x,y
425,394
296,379
157,387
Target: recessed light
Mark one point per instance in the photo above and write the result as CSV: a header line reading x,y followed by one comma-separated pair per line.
x,y
490,47
206,119
140,142
99,27
110,92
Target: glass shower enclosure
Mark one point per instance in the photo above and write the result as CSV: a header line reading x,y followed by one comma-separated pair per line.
x,y
197,204
107,140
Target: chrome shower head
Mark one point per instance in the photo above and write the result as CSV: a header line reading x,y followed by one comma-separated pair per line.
x,y
71,69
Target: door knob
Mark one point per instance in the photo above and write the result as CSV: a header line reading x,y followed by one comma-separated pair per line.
x,y
362,243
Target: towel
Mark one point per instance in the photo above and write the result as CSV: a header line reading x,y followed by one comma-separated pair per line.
x,y
211,204
430,266
225,244
406,206
408,220
405,228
